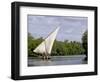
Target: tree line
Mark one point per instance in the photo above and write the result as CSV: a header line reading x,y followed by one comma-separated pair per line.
x,y
60,48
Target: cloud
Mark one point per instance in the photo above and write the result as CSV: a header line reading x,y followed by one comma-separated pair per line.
x,y
72,28
69,31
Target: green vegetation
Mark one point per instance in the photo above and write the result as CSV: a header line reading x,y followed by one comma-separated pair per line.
x,y
60,48
85,43
67,48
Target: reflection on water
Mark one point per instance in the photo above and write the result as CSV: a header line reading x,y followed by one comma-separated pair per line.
x,y
57,60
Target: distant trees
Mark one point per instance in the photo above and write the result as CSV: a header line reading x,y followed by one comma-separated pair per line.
x,y
85,43
60,48
67,48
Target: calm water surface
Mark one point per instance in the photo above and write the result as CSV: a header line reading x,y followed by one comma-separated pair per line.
x,y
57,60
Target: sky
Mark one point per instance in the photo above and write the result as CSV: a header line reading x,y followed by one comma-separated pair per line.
x,y
71,27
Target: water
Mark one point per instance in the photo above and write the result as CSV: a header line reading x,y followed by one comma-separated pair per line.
x,y
58,60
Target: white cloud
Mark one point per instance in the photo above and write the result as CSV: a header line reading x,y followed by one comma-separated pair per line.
x,y
72,28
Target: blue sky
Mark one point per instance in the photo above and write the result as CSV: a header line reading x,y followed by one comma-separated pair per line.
x,y
71,28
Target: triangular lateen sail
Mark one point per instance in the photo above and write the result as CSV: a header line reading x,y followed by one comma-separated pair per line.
x,y
46,45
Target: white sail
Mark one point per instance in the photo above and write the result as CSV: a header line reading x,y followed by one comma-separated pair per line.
x,y
46,45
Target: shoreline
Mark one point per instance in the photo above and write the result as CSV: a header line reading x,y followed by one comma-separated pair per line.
x,y
71,56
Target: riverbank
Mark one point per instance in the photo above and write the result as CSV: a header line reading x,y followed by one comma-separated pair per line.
x,y
68,56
